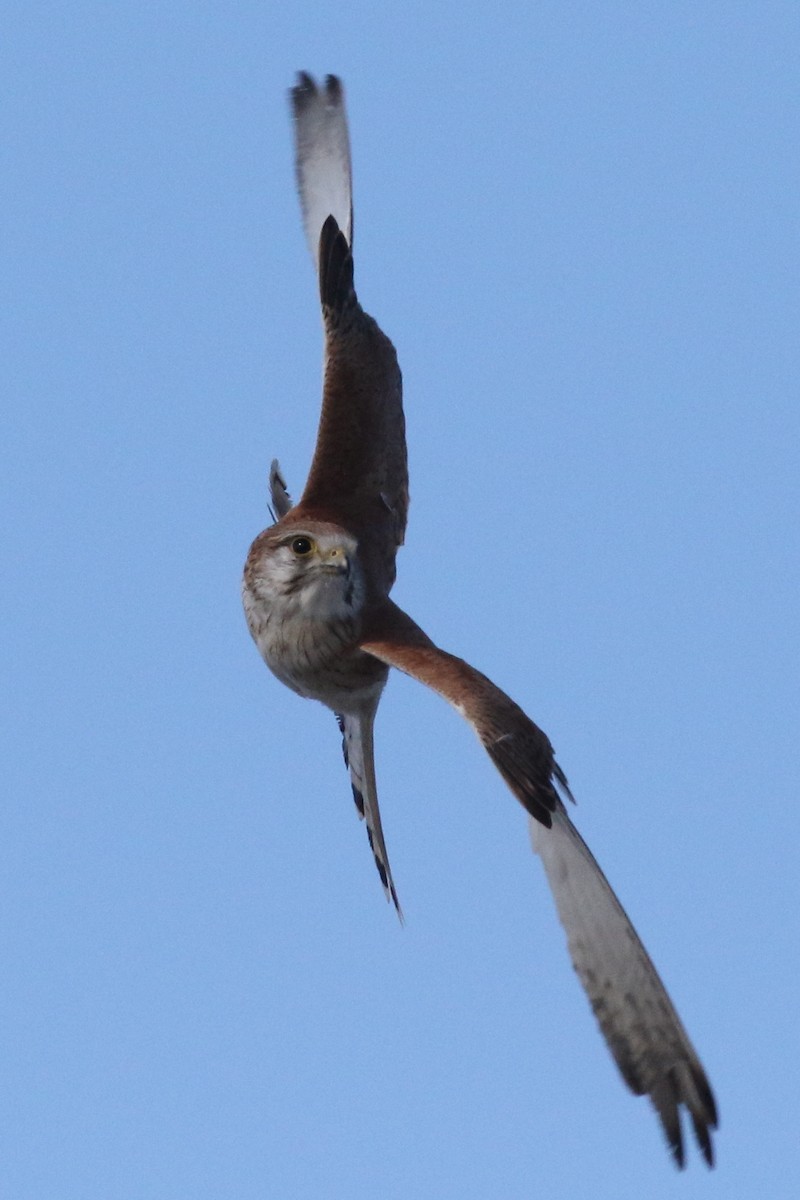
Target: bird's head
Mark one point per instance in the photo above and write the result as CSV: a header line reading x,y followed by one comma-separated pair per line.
x,y
312,568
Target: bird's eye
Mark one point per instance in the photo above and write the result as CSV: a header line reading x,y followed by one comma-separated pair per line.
x,y
302,545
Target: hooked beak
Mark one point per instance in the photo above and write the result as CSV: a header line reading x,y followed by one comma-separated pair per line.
x,y
335,560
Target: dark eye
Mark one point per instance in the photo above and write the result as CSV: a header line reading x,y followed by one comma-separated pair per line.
x,y
302,545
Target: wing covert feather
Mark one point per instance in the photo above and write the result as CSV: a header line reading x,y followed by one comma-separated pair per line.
x,y
520,750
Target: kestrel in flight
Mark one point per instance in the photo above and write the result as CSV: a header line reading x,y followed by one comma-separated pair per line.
x,y
316,596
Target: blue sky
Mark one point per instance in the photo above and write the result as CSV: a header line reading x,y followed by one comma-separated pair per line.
x,y
578,223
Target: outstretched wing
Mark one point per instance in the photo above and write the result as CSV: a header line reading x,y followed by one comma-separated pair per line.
x,y
640,1025
359,474
520,750
636,1016
357,747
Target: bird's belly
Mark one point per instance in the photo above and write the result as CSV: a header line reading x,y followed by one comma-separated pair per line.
x,y
320,660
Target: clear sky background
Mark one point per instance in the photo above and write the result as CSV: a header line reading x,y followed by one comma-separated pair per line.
x,y
579,224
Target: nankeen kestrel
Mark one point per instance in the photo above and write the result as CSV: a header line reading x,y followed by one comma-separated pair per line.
x,y
316,595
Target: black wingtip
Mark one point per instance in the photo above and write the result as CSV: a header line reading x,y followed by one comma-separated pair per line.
x,y
333,89
670,1097
708,1119
703,1137
306,89
706,1098
527,767
703,1140
303,92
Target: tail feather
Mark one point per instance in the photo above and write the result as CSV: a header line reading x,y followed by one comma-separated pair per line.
x,y
359,758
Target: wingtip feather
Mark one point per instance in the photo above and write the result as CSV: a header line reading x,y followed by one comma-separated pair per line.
x,y
322,156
